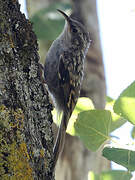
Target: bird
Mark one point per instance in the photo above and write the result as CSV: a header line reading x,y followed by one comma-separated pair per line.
x,y
63,73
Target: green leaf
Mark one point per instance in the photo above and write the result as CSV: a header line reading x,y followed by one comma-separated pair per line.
x,y
48,22
117,121
123,157
93,127
109,99
125,104
83,104
93,176
110,175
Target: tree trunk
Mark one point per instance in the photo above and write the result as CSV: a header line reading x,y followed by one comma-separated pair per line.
x,y
94,85
26,141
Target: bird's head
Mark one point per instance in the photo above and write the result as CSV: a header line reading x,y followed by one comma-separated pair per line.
x,y
75,31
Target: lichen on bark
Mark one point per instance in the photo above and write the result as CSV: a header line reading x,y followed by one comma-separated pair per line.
x,y
13,151
25,119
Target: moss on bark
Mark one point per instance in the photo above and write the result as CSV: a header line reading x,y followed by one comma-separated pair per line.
x,y
25,120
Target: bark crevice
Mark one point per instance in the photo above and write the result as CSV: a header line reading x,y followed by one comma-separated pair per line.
x,y
25,116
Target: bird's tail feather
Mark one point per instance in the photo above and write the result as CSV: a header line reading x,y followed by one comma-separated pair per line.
x,y
60,140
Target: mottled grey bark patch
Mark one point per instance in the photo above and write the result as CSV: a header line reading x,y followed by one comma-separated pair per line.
x,y
21,87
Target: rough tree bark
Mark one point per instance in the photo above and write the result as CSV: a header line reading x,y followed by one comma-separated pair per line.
x,y
25,119
76,160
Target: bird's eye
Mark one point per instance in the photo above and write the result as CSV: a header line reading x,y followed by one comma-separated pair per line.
x,y
74,30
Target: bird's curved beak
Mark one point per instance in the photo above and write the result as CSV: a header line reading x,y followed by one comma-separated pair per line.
x,y
67,18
